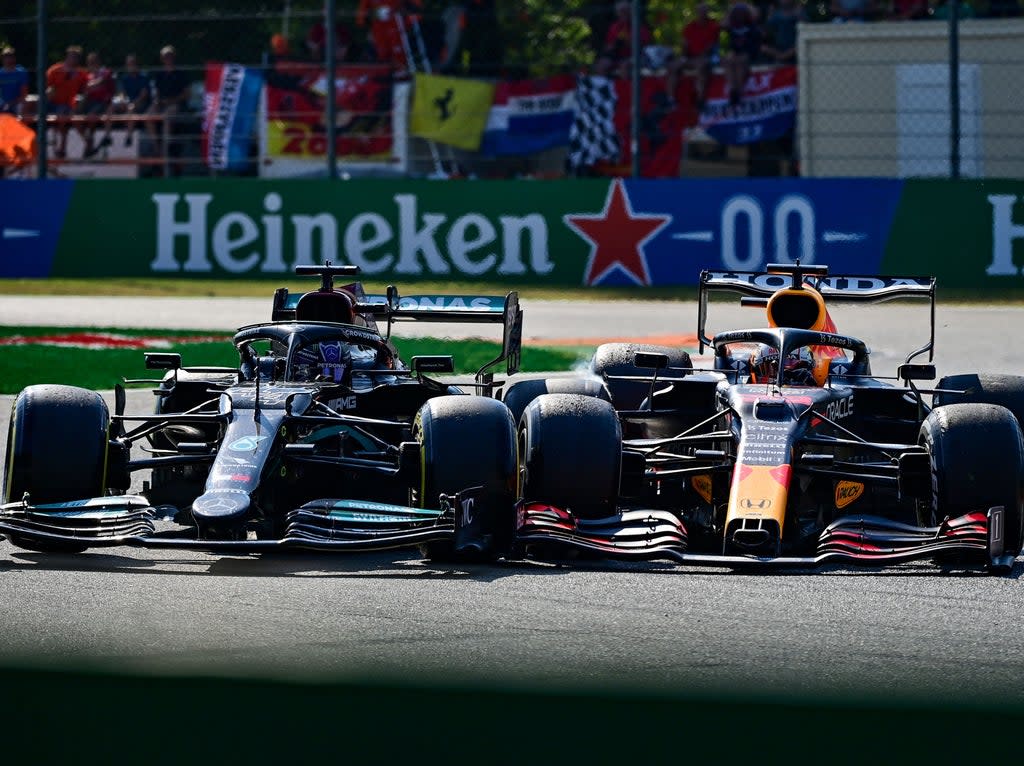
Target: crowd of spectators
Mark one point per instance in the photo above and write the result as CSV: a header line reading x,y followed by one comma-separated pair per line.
x,y
94,92
744,33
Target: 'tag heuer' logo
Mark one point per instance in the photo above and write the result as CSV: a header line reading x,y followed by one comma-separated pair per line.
x,y
847,492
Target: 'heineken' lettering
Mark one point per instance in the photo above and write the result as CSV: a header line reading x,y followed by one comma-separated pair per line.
x,y
305,227
356,247
225,244
192,238
413,240
460,246
1004,231
193,228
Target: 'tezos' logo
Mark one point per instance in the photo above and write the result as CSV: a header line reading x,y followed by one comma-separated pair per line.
x,y
847,492
760,503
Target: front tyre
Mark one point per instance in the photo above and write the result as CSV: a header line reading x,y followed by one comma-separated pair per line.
x,y
468,442
571,454
977,462
57,445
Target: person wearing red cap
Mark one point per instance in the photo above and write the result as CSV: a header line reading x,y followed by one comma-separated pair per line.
x,y
385,29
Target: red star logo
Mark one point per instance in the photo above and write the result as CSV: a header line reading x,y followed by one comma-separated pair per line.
x,y
617,237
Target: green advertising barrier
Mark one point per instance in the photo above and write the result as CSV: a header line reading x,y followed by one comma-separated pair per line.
x,y
594,232
968,234
254,229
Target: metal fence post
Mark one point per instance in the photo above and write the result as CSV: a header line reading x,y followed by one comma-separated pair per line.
x,y
41,90
634,127
332,108
954,89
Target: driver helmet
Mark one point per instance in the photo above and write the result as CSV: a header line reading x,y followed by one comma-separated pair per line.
x,y
797,368
335,361
327,361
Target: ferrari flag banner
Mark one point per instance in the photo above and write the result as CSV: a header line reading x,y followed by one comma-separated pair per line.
x,y
530,116
231,101
450,110
767,111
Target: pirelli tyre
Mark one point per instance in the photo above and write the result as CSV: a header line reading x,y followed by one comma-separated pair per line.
x,y
520,394
613,359
469,442
977,462
1004,390
57,445
570,454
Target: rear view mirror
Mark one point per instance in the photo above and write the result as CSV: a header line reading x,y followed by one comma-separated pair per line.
x,y
436,364
916,372
650,360
162,361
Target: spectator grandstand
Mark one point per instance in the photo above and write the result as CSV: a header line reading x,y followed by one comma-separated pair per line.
x,y
153,115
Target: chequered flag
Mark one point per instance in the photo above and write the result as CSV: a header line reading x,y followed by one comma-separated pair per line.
x,y
593,136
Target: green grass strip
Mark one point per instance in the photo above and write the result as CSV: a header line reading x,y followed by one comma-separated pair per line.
x,y
25,365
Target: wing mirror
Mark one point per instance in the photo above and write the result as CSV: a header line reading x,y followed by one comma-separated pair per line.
x,y
162,361
439,365
910,372
650,361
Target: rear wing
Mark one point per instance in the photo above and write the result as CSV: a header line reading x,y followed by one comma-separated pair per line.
x,y
757,286
473,309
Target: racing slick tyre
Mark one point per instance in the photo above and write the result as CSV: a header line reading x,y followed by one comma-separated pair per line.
x,y
977,461
520,394
570,454
56,450
468,442
1004,390
617,359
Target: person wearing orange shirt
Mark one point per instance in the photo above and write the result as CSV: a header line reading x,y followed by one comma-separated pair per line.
x,y
65,82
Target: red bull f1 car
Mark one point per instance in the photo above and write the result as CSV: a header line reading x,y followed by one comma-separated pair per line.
x,y
784,450
321,438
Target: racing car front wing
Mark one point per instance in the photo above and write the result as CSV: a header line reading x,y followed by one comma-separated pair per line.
x,y
638,535
973,539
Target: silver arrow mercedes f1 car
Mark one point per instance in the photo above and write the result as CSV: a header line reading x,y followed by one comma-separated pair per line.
x,y
321,438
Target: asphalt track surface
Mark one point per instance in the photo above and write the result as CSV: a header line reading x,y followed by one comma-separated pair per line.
x,y
908,633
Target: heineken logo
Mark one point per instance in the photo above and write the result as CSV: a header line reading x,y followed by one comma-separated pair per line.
x,y
409,239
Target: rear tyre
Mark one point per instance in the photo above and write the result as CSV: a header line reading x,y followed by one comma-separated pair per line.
x,y
56,450
617,359
977,461
571,454
520,394
465,442
1005,390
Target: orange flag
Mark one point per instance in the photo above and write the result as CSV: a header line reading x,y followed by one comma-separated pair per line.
x,y
17,142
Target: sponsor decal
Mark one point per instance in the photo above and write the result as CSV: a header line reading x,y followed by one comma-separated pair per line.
x,y
756,503
702,486
839,409
108,340
847,492
247,443
467,512
343,403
